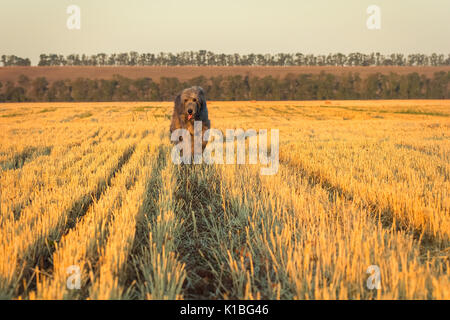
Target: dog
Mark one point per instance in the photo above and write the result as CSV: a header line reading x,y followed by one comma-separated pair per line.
x,y
190,106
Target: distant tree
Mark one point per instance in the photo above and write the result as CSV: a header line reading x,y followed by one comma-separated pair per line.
x,y
70,60
434,59
24,81
122,59
374,86
439,85
14,94
107,89
2,97
112,60
143,88
53,60
92,60
82,90
414,86
60,90
12,60
325,86
124,90
102,59
134,58
39,88
169,87
43,60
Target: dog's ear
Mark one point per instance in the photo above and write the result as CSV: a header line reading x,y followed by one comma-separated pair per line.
x,y
178,104
201,94
175,124
200,90
177,110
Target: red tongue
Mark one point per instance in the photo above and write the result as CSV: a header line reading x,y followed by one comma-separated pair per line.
x,y
189,116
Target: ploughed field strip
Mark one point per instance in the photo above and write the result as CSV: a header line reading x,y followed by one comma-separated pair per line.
x,y
91,190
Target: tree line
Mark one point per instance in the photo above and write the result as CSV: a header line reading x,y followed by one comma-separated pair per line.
x,y
208,58
12,60
292,87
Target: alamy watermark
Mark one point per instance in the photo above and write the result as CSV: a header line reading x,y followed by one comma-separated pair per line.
x,y
374,280
74,279
74,20
213,152
374,20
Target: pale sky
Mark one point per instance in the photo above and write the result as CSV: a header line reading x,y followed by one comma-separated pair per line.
x,y
31,27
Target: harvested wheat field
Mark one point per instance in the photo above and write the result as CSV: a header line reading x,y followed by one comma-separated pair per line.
x,y
90,190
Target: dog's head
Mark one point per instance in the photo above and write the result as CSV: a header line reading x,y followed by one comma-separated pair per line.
x,y
190,103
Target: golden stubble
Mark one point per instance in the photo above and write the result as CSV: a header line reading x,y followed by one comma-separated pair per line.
x,y
92,185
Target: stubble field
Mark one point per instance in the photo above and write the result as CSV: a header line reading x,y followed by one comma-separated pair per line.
x,y
90,189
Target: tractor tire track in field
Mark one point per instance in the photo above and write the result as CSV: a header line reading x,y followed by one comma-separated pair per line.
x,y
81,206
30,154
78,209
441,155
94,260
386,216
200,200
142,231
27,155
20,206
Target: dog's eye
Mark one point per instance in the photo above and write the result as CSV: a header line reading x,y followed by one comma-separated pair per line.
x,y
195,100
185,100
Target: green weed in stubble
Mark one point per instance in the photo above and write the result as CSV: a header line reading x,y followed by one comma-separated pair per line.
x,y
12,115
46,110
425,113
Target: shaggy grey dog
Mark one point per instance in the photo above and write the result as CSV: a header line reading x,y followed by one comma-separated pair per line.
x,y
190,106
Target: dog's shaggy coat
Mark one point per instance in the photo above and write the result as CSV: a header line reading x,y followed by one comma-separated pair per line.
x,y
190,106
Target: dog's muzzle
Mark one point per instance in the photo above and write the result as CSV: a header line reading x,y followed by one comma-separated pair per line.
x,y
190,114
